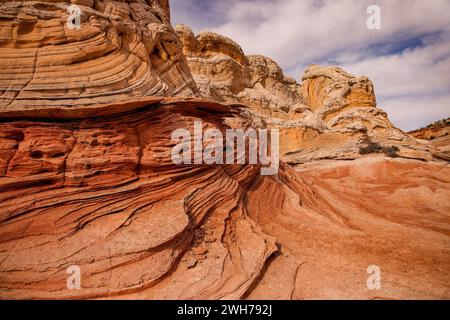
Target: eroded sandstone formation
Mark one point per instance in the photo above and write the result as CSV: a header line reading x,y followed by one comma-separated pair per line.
x,y
224,73
331,114
103,194
123,49
436,134
87,179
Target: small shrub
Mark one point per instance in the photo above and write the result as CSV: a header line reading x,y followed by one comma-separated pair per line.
x,y
373,147
391,151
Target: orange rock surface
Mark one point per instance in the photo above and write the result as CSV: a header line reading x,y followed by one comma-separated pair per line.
x,y
87,179
104,194
437,135
123,49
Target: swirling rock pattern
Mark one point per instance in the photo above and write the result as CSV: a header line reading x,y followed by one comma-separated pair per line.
x,y
86,176
103,194
123,49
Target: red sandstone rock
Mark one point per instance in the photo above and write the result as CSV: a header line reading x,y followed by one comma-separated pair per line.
x,y
86,177
103,194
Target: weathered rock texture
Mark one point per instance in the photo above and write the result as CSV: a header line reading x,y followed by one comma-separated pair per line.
x,y
224,73
330,115
86,176
102,193
123,49
436,134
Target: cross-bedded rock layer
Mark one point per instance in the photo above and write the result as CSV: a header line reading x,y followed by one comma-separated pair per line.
x,y
86,176
102,193
437,135
123,49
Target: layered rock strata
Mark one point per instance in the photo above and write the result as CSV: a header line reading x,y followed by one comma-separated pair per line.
x,y
122,49
103,194
87,179
331,114
437,135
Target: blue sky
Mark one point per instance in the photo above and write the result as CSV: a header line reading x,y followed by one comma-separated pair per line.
x,y
408,59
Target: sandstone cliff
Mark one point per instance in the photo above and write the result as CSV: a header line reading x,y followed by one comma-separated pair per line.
x,y
123,49
436,134
331,114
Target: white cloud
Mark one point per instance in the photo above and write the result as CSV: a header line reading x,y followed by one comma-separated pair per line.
x,y
297,33
412,72
413,113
